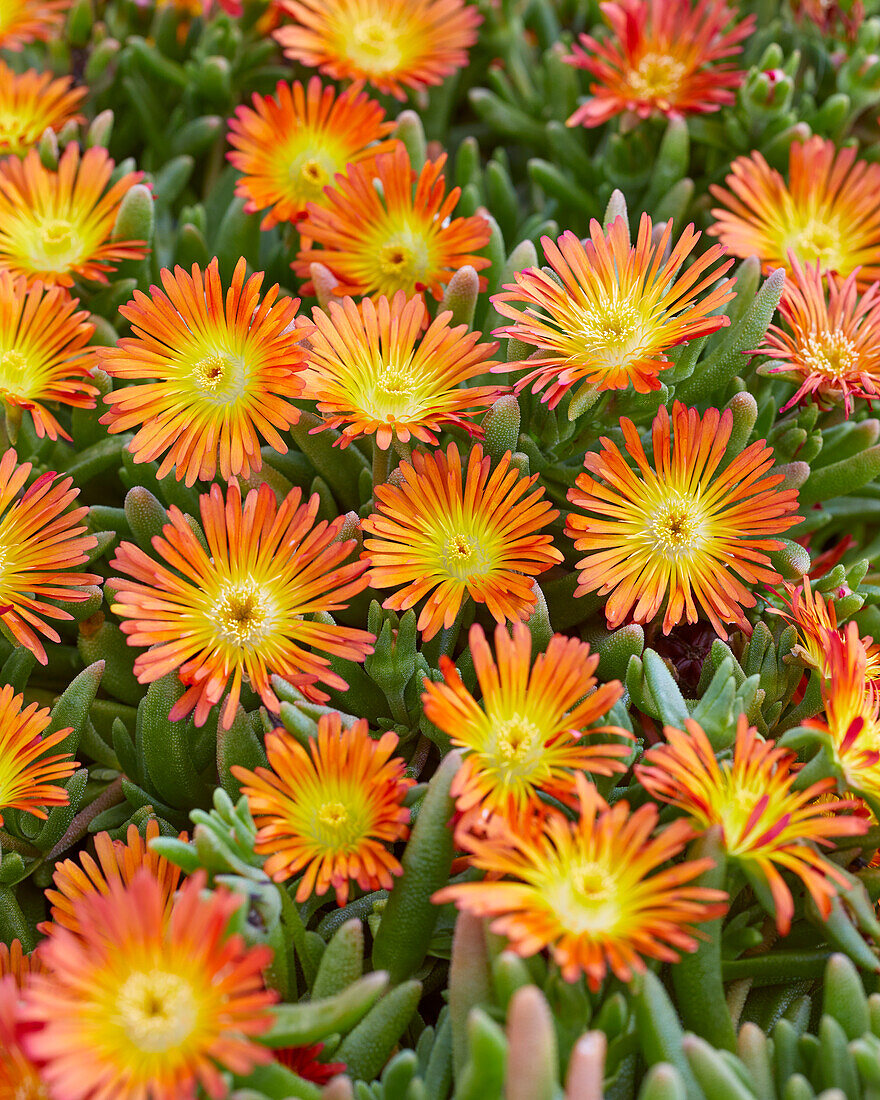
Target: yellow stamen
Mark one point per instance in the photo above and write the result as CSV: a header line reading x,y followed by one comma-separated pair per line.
x,y
157,1010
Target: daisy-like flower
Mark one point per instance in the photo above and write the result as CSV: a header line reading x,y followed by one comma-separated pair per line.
x,y
213,375
766,826
827,345
243,606
618,310
374,370
292,146
26,21
827,213
445,533
32,102
19,964
529,731
395,236
56,226
393,44
43,353
680,532
29,778
664,57
328,812
162,1003
41,543
591,891
117,861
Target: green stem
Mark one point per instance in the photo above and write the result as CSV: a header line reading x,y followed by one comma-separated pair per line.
x,y
381,464
110,796
9,843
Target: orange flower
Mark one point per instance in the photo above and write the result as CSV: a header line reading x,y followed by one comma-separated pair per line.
x,y
42,542
665,57
118,861
213,375
56,226
25,21
32,102
766,826
393,44
16,963
378,240
145,1003
827,214
446,536
244,605
681,532
614,310
291,147
827,347
19,1075
530,733
590,890
28,777
369,371
43,354
329,811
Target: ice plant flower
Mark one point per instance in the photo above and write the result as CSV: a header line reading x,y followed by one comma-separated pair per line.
x,y
591,891
663,57
29,778
378,240
444,533
291,146
160,1003
618,310
117,861
32,102
26,21
56,226
19,964
680,532
213,375
766,826
240,607
41,544
529,732
827,213
827,346
375,370
396,45
20,1077
43,353
328,812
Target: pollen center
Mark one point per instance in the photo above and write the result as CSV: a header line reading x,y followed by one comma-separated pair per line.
x,y
242,613
612,331
58,236
819,242
402,261
463,557
333,814
13,366
515,737
220,377
157,1010
657,76
310,173
830,353
676,527
375,45
210,372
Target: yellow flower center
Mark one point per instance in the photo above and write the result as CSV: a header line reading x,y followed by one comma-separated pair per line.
x,y
310,172
819,242
587,903
374,44
612,331
676,528
242,613
13,370
157,1010
340,823
333,814
515,737
220,377
830,354
58,236
463,556
393,395
657,76
52,245
209,372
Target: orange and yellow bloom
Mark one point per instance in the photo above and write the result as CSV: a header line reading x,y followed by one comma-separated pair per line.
x,y
827,213
291,146
680,532
828,345
41,543
20,1077
31,102
375,370
592,891
43,353
533,728
615,309
378,240
239,608
396,45
766,827
663,57
26,21
29,779
145,1003
446,533
329,812
213,374
57,226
